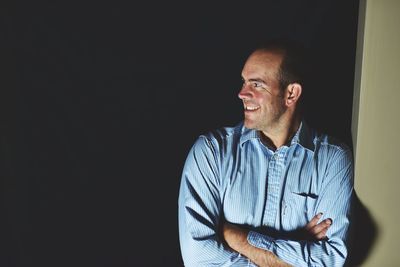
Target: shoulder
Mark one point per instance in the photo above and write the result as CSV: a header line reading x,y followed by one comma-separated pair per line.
x,y
332,142
331,149
214,148
321,143
221,138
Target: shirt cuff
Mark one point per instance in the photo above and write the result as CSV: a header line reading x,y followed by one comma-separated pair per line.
x,y
260,241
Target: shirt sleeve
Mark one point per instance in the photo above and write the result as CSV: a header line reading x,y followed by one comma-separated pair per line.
x,y
335,203
199,211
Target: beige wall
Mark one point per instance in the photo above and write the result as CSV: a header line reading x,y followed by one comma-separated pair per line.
x,y
376,125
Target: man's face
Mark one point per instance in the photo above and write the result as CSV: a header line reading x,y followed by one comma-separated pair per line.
x,y
262,98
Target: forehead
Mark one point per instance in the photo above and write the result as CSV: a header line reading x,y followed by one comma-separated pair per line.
x,y
263,62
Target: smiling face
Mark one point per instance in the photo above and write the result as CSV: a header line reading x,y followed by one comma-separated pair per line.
x,y
263,100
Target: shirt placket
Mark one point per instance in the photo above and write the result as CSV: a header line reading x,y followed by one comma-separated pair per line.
x,y
272,205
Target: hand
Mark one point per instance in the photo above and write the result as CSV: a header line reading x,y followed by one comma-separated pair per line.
x,y
315,231
233,235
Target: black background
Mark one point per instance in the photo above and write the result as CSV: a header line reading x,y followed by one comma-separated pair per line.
x,y
101,102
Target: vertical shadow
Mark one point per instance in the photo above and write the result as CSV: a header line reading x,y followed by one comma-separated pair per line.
x,y
364,234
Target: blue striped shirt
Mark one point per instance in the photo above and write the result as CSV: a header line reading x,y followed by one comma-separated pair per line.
x,y
230,173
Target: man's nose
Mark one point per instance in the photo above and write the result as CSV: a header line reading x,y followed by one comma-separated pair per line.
x,y
245,92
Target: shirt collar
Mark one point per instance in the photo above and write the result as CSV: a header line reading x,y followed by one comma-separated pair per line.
x,y
302,137
248,134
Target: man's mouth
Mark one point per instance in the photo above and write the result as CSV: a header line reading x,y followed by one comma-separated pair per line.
x,y
251,108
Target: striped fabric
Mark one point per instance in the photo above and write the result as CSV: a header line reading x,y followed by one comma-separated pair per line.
x,y
230,174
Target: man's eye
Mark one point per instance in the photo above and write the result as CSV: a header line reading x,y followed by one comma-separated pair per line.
x,y
257,84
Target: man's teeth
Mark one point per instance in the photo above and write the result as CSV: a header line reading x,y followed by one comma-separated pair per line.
x,y
252,108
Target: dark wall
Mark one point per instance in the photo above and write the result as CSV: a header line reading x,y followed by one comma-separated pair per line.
x,y
101,102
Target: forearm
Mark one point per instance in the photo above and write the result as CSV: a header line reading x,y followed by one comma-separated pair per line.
x,y
209,253
236,238
266,251
303,253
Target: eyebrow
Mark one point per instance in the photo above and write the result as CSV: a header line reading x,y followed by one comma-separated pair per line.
x,y
256,80
253,79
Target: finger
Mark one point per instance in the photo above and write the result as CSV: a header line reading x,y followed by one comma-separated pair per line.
x,y
321,235
325,224
313,221
322,226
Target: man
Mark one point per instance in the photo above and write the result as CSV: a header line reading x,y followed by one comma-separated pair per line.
x,y
270,191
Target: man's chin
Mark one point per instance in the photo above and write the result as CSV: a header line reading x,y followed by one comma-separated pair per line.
x,y
249,124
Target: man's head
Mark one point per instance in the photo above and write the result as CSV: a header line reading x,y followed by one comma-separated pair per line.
x,y
293,68
272,85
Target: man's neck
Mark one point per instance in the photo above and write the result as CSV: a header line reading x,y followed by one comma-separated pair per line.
x,y
281,134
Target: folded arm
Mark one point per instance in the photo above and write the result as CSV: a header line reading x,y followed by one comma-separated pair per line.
x,y
200,211
236,238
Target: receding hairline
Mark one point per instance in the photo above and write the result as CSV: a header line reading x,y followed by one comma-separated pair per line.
x,y
279,52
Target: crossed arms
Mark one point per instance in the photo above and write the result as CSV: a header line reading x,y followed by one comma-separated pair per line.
x,y
236,238
206,239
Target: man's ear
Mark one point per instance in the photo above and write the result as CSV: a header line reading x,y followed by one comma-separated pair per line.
x,y
293,93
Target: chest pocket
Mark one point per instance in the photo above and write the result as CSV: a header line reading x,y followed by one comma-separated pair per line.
x,y
299,208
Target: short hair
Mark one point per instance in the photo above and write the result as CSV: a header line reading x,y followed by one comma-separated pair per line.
x,y
293,68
